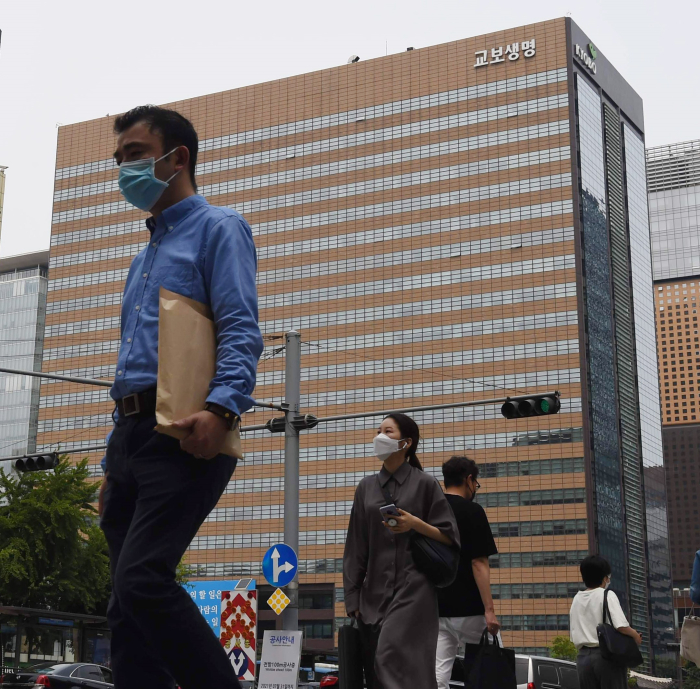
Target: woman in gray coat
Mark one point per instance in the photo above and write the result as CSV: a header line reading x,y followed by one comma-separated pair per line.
x,y
395,604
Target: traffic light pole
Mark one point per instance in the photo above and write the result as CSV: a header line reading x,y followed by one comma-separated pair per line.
x,y
292,394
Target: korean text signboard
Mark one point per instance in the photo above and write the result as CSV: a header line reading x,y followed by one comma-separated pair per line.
x,y
281,654
512,52
230,608
207,596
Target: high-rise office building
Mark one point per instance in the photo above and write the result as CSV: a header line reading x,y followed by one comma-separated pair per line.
x,y
23,286
2,193
673,173
462,221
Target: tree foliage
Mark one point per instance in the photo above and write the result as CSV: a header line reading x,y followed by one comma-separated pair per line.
x,y
563,648
53,554
183,574
691,676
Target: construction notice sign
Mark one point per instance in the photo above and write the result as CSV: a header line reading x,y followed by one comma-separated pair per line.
x,y
281,653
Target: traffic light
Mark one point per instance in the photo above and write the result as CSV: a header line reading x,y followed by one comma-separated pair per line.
x,y
37,462
537,405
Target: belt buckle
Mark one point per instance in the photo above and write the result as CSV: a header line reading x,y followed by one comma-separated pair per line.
x,y
128,401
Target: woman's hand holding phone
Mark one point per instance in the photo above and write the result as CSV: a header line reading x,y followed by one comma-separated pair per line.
x,y
404,522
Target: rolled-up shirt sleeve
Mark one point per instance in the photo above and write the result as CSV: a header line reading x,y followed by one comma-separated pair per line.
x,y
356,553
230,266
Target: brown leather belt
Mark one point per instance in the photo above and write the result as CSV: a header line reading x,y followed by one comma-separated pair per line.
x,y
138,404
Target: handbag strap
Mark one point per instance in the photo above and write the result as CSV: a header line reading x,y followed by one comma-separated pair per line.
x,y
606,609
485,639
388,500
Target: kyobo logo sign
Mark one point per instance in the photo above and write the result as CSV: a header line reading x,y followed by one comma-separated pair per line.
x,y
588,58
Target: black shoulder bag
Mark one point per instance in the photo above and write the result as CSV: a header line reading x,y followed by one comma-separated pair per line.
x,y
615,646
439,562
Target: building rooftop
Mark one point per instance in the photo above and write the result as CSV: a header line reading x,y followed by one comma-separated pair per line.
x,y
673,166
24,261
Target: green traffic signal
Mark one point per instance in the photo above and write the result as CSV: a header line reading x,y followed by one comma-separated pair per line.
x,y
538,405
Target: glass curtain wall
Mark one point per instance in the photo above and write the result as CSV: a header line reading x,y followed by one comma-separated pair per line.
x,y
600,338
626,371
658,559
673,174
22,315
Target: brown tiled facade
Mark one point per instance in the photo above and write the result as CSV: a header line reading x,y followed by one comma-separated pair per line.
x,y
679,349
416,221
681,451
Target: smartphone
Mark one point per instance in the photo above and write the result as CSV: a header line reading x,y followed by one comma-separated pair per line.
x,y
388,513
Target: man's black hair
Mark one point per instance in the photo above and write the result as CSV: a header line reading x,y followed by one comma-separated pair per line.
x,y
174,128
594,569
456,470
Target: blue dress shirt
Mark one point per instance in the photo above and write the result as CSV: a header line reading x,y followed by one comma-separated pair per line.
x,y
206,253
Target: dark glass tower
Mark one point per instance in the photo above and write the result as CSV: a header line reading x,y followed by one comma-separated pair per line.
x,y
625,460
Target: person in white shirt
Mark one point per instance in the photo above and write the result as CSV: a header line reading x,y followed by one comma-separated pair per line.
x,y
594,672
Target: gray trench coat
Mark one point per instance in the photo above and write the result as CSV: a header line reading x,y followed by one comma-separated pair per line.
x,y
381,579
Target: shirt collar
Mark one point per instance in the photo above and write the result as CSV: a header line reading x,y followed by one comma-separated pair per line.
x,y
399,475
175,214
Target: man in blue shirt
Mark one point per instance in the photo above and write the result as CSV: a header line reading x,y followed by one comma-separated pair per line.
x,y
157,490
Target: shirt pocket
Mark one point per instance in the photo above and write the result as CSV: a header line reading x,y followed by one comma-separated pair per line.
x,y
176,277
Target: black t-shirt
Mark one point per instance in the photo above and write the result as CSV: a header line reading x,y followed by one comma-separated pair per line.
x,y
462,597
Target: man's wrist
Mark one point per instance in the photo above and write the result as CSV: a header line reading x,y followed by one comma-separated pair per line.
x,y
231,419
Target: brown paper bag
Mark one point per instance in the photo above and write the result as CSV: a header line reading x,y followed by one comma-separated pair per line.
x,y
186,365
690,638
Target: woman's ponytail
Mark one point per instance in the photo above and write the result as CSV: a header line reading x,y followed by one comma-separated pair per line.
x,y
414,461
409,429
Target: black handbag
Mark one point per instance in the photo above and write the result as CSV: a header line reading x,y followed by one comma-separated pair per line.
x,y
494,666
439,562
616,647
350,656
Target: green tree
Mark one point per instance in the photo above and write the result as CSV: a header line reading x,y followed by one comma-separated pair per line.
x,y
691,675
183,574
53,554
563,648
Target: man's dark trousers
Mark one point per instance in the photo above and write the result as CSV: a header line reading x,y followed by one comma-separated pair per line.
x,y
155,500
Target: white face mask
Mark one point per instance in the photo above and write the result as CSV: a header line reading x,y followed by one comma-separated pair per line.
x,y
384,446
608,583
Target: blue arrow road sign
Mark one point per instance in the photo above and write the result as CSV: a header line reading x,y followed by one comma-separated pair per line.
x,y
280,565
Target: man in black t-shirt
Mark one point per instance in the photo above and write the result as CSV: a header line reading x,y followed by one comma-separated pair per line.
x,y
466,606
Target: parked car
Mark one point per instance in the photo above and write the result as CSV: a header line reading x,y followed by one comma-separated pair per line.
x,y
537,672
533,672
59,676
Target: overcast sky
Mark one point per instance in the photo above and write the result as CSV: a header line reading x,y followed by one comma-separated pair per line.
x,y
64,62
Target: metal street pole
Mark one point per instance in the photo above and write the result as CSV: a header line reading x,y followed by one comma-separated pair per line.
x,y
292,393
